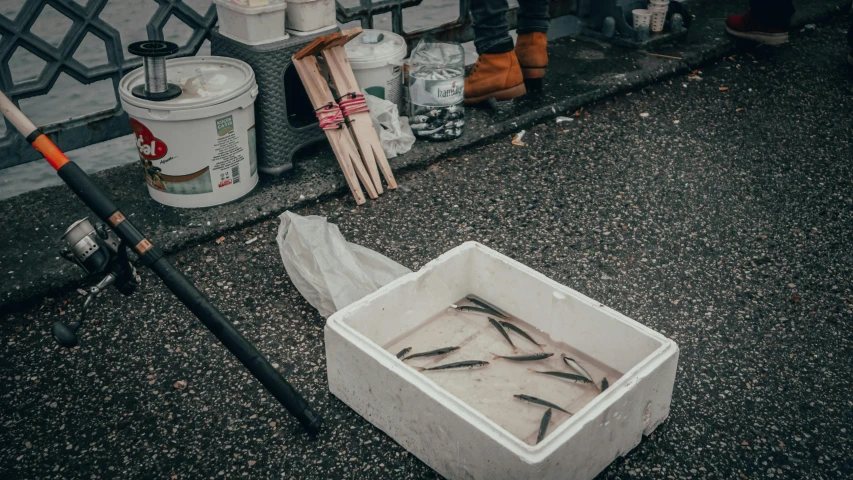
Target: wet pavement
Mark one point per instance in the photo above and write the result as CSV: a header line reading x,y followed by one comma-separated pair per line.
x,y
716,208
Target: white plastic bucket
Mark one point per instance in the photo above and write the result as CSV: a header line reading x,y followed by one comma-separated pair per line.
x,y
309,15
376,58
198,149
251,25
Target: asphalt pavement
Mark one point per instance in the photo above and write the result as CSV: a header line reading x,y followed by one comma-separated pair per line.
x,y
715,207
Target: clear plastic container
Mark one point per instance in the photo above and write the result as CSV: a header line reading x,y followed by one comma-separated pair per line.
x,y
437,90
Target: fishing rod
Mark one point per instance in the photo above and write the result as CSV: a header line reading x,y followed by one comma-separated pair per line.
x,y
104,249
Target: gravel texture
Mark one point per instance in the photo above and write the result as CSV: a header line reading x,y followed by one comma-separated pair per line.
x,y
722,219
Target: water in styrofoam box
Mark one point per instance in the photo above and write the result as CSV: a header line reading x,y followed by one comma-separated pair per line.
x,y
490,389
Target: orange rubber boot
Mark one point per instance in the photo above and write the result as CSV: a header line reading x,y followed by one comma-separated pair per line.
x,y
495,75
532,52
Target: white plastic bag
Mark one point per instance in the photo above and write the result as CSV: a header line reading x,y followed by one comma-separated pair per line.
x,y
327,270
394,131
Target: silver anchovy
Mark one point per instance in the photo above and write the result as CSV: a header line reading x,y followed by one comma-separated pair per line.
x,y
522,333
486,306
463,364
431,132
432,353
404,351
484,311
576,366
502,331
539,401
567,376
543,426
525,358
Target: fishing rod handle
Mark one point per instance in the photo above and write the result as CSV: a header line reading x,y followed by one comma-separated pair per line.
x,y
15,116
152,257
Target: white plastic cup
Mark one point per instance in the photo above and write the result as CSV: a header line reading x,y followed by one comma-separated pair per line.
x,y
658,8
642,18
658,19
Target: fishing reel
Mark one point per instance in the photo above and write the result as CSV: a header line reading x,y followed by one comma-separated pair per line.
x,y
97,250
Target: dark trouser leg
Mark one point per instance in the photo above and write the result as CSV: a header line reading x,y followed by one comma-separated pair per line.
x,y
491,30
772,13
533,16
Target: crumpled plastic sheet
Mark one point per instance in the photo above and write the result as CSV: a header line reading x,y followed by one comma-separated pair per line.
x,y
395,134
327,270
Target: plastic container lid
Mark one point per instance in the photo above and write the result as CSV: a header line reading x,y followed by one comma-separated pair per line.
x,y
375,48
204,81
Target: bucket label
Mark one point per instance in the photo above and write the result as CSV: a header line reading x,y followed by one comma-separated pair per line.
x,y
149,146
206,159
224,125
437,92
229,154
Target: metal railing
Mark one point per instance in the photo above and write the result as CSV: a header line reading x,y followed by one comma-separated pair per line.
x,y
106,124
96,126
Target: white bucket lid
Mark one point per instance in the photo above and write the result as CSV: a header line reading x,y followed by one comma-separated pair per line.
x,y
375,48
204,81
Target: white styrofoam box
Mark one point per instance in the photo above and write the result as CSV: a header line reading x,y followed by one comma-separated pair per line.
x,y
310,15
252,25
449,435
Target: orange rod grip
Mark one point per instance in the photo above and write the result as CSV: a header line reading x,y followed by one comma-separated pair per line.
x,y
51,152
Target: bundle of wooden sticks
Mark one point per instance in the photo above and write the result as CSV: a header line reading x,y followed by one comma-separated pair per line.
x,y
346,119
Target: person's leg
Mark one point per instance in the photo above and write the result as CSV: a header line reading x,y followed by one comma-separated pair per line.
x,y
491,30
773,14
533,16
532,45
496,75
767,21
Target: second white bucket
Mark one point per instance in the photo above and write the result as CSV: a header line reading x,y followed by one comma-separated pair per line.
x,y
376,58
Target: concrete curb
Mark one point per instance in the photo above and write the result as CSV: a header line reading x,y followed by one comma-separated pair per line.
x,y
588,73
